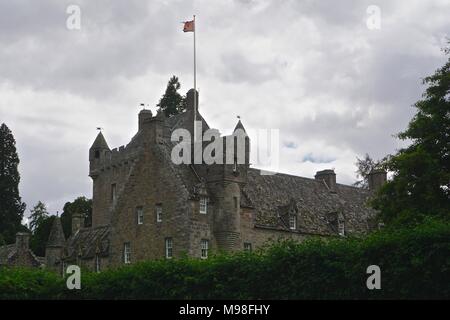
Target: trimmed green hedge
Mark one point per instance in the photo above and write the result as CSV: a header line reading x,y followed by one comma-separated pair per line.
x,y
415,264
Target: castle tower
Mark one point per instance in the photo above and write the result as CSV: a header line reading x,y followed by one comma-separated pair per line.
x,y
225,181
55,246
97,154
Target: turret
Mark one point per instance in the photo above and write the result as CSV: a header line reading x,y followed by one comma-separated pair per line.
x,y
97,154
226,181
55,246
144,116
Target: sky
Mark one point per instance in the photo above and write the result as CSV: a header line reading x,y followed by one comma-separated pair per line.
x,y
337,78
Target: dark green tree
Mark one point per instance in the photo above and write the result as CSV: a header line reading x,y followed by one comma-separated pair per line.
x,y
40,235
172,102
38,214
364,167
79,205
421,172
11,205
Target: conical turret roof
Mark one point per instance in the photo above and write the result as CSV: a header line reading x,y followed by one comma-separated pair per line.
x,y
100,142
56,237
239,125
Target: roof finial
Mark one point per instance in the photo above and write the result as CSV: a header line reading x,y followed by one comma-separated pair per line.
x,y
239,117
99,129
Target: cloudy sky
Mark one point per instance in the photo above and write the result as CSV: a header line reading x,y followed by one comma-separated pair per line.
x,y
334,87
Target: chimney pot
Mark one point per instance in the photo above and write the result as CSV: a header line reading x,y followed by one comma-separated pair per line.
x,y
22,240
77,222
377,178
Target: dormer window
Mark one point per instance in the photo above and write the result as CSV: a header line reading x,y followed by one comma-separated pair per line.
x,y
293,222
341,227
203,205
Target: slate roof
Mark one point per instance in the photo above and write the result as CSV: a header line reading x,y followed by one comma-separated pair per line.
x,y
88,242
272,196
5,252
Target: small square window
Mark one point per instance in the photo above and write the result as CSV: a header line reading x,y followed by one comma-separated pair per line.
x,y
247,246
169,248
126,253
292,222
159,213
203,205
140,215
204,245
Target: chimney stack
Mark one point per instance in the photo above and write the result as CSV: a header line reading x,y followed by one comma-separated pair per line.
x,y
190,100
22,241
77,222
329,177
377,178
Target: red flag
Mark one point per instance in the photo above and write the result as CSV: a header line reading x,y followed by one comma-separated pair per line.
x,y
189,26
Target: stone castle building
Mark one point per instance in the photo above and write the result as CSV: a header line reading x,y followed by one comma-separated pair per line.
x,y
147,207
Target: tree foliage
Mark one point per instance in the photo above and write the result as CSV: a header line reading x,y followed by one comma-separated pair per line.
x,y
40,235
11,205
364,167
79,205
172,102
421,172
38,214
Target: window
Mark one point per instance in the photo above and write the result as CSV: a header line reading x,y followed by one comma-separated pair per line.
x,y
126,253
204,245
247,246
341,227
97,154
140,215
158,213
97,263
292,222
235,199
113,193
169,248
203,205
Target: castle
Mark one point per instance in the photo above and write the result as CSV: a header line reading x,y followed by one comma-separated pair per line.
x,y
146,207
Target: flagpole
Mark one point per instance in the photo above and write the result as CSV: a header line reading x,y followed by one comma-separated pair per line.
x,y
195,84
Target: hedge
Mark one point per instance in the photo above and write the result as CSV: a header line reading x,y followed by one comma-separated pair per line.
x,y
414,263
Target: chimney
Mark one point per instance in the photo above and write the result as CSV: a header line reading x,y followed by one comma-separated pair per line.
x,y
77,222
329,177
190,100
143,116
377,178
22,241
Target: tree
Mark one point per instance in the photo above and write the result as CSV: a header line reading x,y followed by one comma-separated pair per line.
x,y
421,172
38,214
172,102
11,205
365,166
79,205
40,235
